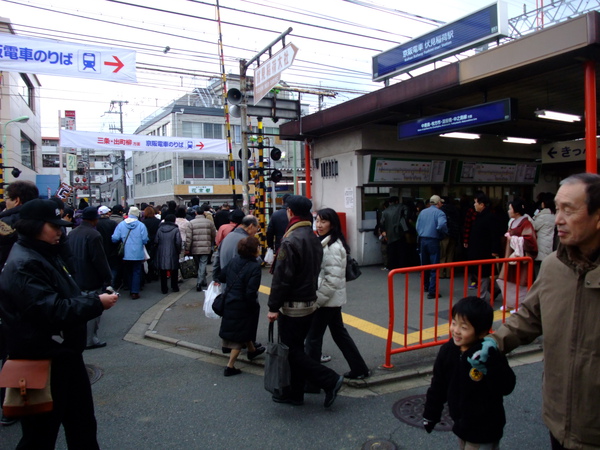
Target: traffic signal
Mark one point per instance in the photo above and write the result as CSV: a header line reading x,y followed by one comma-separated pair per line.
x,y
275,154
249,154
276,176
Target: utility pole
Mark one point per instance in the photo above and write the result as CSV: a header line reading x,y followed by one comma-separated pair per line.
x,y
123,165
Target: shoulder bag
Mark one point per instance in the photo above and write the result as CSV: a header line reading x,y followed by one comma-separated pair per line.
x,y
352,270
27,384
121,250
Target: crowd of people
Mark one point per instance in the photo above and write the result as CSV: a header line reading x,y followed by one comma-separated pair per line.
x,y
55,285
471,229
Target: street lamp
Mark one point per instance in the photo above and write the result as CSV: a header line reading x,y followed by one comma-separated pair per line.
x,y
15,172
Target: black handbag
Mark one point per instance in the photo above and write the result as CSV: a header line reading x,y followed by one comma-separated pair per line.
x,y
278,375
121,249
218,305
352,270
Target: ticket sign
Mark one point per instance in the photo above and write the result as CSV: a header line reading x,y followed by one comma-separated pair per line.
x,y
42,56
394,170
495,173
485,25
459,119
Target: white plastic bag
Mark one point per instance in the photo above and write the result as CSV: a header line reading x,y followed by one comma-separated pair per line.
x,y
210,294
270,256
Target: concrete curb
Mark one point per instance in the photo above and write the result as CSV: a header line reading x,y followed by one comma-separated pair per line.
x,y
144,330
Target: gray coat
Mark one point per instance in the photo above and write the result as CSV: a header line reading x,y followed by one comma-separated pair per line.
x,y
168,246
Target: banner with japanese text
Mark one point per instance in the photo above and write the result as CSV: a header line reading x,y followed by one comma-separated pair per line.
x,y
66,59
141,143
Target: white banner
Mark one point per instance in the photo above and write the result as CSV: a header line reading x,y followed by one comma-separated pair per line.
x,y
65,59
141,143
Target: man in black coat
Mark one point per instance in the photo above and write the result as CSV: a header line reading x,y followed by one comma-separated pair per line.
x,y
485,240
277,226
92,269
292,302
106,227
17,193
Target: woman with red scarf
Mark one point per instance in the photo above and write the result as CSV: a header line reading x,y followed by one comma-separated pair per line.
x,y
520,240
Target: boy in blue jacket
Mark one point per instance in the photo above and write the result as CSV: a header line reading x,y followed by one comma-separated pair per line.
x,y
475,398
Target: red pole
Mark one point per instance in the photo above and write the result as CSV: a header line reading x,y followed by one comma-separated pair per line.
x,y
308,167
591,144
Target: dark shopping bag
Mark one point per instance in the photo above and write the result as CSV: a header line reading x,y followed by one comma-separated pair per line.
x,y
277,367
188,268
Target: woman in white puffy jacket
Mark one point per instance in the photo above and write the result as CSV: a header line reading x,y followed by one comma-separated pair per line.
x,y
543,222
331,295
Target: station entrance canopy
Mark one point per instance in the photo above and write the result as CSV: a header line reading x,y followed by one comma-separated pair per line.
x,y
543,70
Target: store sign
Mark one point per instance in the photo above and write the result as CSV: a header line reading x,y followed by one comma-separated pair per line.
x,y
459,119
485,25
200,190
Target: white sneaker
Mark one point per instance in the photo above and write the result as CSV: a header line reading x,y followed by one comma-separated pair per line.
x,y
325,358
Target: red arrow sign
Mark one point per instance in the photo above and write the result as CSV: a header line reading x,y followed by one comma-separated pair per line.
x,y
118,64
200,146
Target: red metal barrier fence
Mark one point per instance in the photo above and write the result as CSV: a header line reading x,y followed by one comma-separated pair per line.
x,y
440,331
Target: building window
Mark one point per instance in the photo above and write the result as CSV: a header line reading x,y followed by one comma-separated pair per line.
x,y
213,131
193,168
27,152
138,178
26,91
164,129
50,161
164,171
191,129
151,174
237,134
205,169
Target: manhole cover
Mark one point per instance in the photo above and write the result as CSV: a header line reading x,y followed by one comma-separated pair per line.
x,y
379,444
410,410
94,373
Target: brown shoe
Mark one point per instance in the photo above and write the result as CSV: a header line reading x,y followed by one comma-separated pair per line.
x,y
135,296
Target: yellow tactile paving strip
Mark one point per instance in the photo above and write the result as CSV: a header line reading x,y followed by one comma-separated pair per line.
x,y
398,338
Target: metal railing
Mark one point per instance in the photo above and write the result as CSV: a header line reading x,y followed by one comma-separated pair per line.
x,y
422,339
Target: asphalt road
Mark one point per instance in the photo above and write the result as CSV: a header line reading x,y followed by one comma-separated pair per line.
x,y
154,395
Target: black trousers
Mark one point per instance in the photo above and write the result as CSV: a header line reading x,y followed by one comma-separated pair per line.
x,y
332,317
163,280
73,408
293,332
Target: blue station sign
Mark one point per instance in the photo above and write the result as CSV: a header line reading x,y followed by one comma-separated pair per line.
x,y
483,26
460,119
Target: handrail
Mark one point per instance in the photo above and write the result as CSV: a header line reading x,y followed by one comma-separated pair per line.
x,y
430,342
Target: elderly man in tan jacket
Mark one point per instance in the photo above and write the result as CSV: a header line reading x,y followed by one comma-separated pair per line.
x,y
199,243
564,305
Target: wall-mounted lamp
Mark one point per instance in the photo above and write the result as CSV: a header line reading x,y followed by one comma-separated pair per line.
x,y
554,115
458,135
517,140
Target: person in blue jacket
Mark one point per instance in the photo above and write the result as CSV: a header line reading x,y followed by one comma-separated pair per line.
x,y
135,235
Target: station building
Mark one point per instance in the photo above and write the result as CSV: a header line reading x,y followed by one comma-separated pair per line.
x,y
362,153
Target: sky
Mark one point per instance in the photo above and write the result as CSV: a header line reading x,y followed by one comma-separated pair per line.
x,y
336,40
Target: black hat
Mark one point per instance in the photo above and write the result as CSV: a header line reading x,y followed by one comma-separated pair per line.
x,y
236,216
43,210
299,205
90,213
